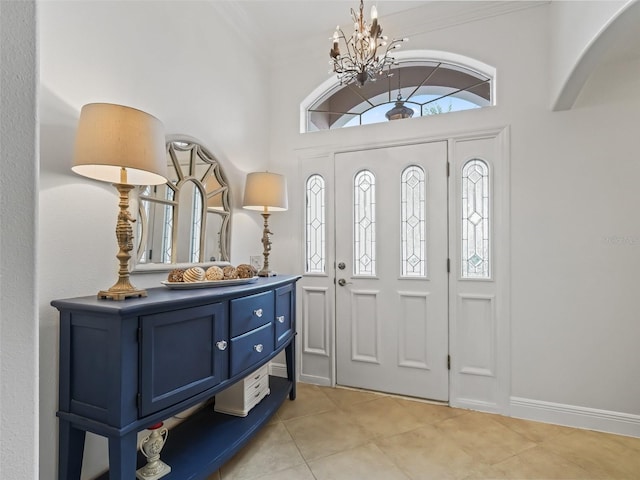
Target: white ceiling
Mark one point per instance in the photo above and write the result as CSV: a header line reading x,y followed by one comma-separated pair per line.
x,y
283,30
283,21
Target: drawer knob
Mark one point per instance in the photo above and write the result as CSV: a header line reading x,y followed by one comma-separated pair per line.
x,y
258,348
222,345
258,312
280,318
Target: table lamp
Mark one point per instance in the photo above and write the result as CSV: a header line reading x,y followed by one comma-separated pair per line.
x,y
126,147
266,192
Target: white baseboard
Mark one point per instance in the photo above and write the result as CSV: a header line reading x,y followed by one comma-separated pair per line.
x,y
477,405
278,369
574,416
322,381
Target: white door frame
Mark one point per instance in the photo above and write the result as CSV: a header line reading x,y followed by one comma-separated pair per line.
x,y
316,305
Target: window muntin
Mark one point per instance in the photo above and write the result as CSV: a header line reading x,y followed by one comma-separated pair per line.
x,y
427,87
413,222
475,215
315,222
364,226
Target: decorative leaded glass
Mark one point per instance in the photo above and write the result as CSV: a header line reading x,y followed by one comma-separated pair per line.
x,y
364,228
196,225
423,87
315,225
139,225
167,239
413,222
475,220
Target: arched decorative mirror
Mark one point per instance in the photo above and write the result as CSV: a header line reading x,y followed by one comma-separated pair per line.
x,y
188,219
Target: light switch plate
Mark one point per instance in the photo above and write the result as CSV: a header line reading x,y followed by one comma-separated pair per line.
x,y
256,262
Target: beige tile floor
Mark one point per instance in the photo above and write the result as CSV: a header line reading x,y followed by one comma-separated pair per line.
x,y
335,433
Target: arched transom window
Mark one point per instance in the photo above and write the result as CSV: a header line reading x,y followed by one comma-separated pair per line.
x,y
414,88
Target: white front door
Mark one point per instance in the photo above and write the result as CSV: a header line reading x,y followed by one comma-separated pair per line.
x,y
391,269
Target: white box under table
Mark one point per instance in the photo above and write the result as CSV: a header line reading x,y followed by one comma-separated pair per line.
x,y
242,396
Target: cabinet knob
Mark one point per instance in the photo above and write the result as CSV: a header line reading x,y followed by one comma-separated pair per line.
x,y
222,345
258,312
258,348
280,318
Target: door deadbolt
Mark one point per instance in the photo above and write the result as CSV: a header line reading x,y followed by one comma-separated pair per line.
x,y
341,266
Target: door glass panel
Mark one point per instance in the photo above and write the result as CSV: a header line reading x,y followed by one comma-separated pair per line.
x,y
315,225
364,228
413,222
475,220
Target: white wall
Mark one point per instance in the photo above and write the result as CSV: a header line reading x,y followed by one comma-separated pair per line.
x,y
574,238
176,60
18,217
575,27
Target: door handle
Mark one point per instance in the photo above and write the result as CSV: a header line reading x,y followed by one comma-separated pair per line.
x,y
342,282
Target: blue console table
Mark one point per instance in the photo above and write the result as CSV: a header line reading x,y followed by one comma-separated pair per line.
x,y
127,365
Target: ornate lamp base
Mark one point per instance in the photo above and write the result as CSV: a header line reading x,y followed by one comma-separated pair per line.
x,y
151,446
266,243
124,234
267,273
115,294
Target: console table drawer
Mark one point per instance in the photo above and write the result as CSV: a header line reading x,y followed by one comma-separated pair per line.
x,y
250,348
251,312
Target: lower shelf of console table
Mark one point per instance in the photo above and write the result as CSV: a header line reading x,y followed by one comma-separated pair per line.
x,y
125,366
201,444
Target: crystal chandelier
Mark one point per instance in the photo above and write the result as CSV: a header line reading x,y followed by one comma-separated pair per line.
x,y
362,61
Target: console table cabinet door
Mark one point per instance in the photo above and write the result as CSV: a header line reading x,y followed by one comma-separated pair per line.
x,y
284,310
182,348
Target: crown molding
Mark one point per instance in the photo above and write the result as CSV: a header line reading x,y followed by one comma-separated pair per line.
x,y
447,14
425,17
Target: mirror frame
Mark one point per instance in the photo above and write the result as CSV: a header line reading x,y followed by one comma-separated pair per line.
x,y
201,153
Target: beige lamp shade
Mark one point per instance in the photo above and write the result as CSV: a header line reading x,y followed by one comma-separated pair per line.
x,y
111,138
265,191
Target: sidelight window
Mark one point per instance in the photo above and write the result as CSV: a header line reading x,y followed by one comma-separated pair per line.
x,y
476,239
315,231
